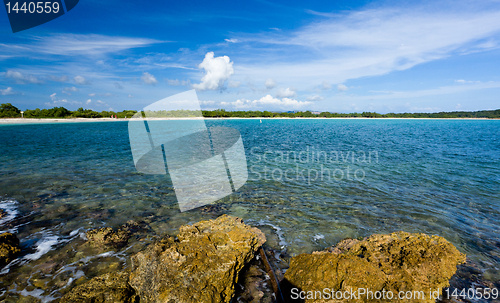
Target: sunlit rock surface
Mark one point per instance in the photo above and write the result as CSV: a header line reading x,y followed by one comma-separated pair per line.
x,y
201,265
396,262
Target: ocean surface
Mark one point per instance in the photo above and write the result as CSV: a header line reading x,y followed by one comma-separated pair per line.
x,y
311,183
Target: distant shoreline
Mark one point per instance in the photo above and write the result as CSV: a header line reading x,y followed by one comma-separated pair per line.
x,y
77,120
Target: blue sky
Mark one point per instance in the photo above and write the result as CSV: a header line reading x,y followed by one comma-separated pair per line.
x,y
384,56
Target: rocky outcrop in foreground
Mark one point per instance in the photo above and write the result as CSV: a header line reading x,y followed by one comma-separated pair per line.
x,y
396,262
201,265
9,248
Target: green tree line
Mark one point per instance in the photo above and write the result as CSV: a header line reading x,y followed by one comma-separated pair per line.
x,y
8,110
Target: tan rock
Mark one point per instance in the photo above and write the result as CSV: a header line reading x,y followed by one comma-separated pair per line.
x,y
201,265
396,262
107,236
111,287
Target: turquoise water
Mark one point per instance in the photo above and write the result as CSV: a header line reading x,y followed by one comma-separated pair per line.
x,y
433,176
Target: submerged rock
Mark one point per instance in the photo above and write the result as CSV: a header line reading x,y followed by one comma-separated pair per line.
x,y
3,213
9,248
111,287
107,236
396,262
201,265
111,237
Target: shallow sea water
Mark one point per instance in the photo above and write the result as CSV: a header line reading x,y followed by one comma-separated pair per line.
x,y
344,178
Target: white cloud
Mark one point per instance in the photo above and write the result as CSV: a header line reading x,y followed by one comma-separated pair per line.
x,y
176,82
286,93
371,42
173,82
7,91
270,84
234,84
148,78
87,45
81,80
88,101
231,40
67,90
314,98
92,95
130,96
22,78
58,79
341,87
267,101
53,96
218,70
207,102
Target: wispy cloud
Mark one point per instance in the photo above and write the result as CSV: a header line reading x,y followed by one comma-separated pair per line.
x,y
22,78
87,45
368,43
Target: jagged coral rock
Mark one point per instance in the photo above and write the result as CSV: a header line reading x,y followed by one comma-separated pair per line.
x,y
396,262
201,265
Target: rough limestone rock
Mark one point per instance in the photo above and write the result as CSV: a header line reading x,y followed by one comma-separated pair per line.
x,y
111,287
201,265
396,262
9,248
107,236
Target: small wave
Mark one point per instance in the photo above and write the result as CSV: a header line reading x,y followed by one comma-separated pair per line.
x,y
42,247
281,235
318,237
10,207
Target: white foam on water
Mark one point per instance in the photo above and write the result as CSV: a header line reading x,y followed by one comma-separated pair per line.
x,y
281,235
10,207
43,246
318,237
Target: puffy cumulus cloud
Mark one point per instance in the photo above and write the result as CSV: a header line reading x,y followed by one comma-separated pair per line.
x,y
314,98
268,101
286,93
148,78
22,78
7,91
53,96
341,87
81,80
218,70
270,83
88,101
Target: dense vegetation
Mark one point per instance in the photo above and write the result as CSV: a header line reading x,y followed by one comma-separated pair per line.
x,y
308,114
9,111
